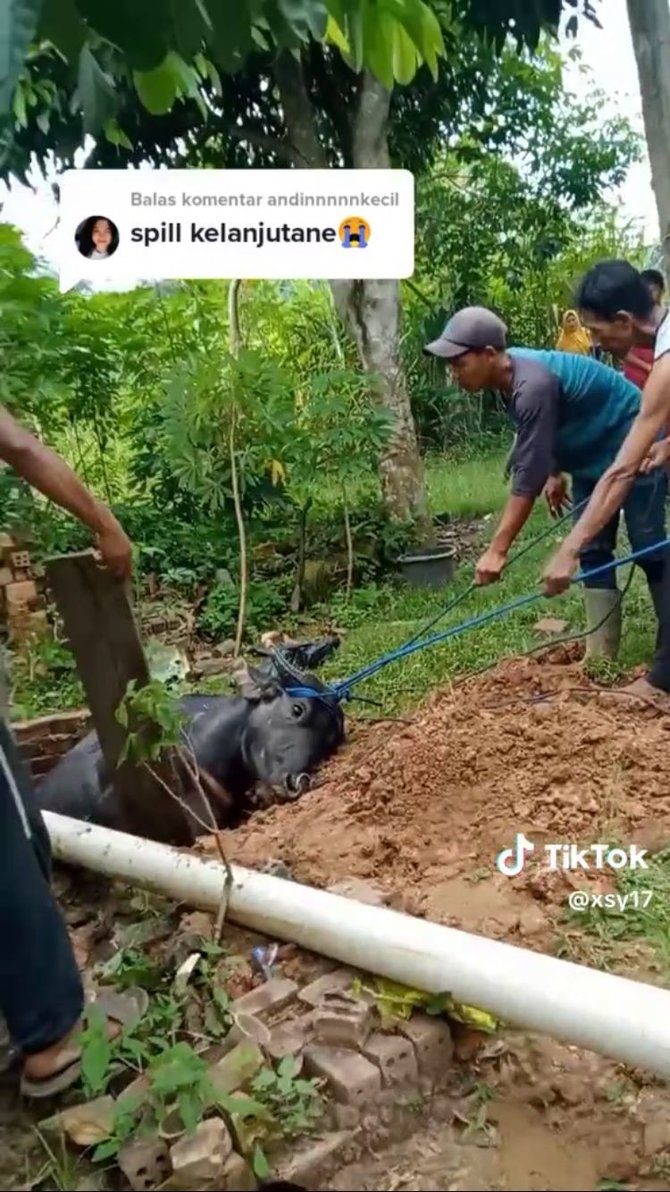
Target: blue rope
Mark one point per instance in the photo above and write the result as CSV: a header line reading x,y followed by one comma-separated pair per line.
x,y
343,690
448,608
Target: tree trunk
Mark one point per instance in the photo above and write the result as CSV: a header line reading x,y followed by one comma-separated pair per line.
x,y
370,310
650,30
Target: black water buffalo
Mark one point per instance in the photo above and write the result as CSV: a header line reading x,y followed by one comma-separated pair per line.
x,y
263,741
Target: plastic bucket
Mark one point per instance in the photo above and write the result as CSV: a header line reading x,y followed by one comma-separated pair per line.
x,y
429,568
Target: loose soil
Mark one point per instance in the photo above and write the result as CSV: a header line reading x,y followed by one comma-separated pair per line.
x,y
423,808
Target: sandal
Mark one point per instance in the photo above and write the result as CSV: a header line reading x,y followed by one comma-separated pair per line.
x,y
123,1009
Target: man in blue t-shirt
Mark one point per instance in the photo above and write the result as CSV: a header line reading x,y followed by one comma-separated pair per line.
x,y
571,415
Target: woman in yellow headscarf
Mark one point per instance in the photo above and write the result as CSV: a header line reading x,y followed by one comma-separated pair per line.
x,y
573,336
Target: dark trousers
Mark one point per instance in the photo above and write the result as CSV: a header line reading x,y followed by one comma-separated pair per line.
x,y
659,672
41,994
644,514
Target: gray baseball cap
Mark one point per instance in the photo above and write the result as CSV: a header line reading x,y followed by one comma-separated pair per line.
x,y
468,330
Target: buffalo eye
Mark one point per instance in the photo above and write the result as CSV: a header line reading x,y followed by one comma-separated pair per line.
x,y
297,711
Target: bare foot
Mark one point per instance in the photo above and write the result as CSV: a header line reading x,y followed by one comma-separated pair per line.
x,y
641,691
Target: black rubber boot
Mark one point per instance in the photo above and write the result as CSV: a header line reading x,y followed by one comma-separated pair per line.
x,y
659,672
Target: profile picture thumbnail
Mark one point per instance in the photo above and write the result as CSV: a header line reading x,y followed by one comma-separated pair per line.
x,y
97,238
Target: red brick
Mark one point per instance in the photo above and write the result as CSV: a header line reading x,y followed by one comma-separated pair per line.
x,y
247,1028
23,593
39,622
273,995
395,1058
340,979
433,1044
351,1077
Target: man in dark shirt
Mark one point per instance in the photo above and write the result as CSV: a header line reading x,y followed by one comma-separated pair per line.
x,y
41,993
571,415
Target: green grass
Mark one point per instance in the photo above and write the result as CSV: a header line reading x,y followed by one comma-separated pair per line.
x,y
466,488
605,936
379,619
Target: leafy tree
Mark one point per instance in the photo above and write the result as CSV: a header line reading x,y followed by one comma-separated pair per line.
x,y
161,45
31,335
650,30
325,73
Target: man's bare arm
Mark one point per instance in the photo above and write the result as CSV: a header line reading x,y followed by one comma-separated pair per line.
x,y
48,473
611,490
514,517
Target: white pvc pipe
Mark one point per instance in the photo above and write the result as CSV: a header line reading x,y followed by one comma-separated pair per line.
x,y
626,1020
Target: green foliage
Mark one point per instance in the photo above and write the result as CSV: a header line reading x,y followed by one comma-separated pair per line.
x,y
294,1103
129,967
32,336
44,677
166,50
152,719
340,430
441,56
180,1094
266,602
202,395
533,241
643,917
138,390
96,1053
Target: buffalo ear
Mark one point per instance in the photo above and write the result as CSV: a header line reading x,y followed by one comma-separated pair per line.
x,y
254,685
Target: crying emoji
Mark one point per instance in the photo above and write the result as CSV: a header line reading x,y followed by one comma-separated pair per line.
x,y
354,232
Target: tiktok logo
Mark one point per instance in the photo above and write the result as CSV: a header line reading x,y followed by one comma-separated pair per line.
x,y
512,860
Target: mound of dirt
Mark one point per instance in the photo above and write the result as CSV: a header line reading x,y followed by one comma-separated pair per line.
x,y
424,807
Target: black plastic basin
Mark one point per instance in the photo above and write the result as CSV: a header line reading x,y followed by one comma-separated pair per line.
x,y
429,568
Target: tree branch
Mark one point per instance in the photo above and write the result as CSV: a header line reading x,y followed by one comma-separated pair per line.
x,y
279,146
338,108
298,112
193,772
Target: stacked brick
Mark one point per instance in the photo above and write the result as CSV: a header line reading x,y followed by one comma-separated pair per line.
x,y
21,603
368,1077
43,742
335,1035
